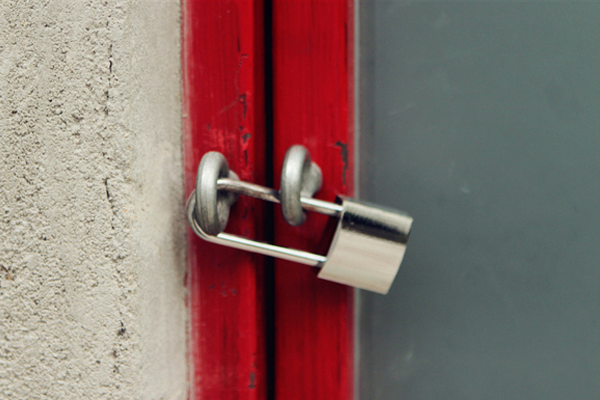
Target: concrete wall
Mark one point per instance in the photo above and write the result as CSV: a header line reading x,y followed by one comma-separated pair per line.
x,y
92,245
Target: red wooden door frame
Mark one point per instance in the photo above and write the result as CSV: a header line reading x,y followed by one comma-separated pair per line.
x,y
313,106
224,110
223,68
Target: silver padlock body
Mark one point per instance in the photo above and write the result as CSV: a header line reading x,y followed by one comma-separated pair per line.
x,y
368,246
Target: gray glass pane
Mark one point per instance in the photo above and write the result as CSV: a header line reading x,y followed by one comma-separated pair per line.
x,y
482,120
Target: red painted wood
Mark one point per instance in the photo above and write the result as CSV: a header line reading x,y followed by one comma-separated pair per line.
x,y
312,56
223,65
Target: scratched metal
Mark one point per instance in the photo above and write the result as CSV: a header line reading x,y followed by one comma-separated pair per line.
x,y
486,128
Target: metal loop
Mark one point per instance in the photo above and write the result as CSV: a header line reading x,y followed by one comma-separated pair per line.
x,y
299,178
212,205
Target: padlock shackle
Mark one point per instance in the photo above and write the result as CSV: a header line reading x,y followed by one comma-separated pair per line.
x,y
238,242
273,196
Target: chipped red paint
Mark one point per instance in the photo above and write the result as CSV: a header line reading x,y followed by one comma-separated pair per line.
x,y
223,65
312,55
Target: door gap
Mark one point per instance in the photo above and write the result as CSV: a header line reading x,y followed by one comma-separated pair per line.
x,y
269,181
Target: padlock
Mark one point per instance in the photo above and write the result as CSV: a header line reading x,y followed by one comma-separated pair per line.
x,y
368,245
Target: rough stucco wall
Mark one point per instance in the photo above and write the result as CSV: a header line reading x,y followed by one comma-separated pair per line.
x,y
92,245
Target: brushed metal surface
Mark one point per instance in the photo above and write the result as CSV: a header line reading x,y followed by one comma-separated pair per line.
x,y
368,247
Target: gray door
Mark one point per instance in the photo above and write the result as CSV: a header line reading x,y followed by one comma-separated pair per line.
x,y
482,120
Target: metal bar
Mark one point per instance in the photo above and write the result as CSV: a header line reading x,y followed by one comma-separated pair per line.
x,y
320,206
272,195
248,189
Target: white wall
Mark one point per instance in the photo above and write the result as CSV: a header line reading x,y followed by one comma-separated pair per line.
x,y
92,234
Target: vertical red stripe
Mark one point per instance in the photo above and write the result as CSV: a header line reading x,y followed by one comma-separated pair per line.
x,y
223,65
312,56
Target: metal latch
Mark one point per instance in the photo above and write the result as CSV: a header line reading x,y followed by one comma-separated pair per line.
x,y
368,245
